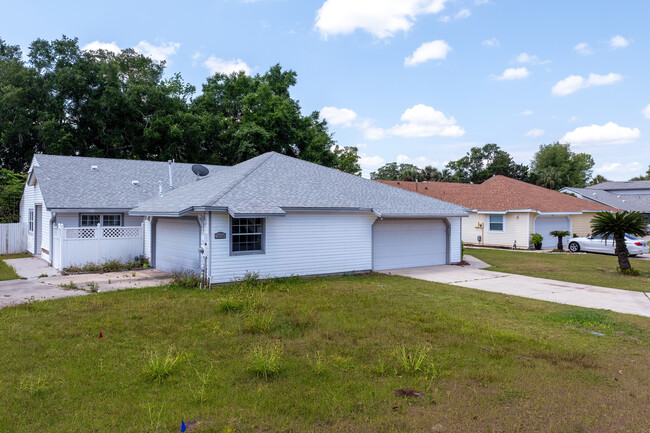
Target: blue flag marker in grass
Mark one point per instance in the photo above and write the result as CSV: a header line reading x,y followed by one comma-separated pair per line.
x,y
183,426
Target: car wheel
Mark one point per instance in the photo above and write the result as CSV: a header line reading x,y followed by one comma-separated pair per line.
x,y
574,247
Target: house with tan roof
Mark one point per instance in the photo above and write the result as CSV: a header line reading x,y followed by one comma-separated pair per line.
x,y
506,212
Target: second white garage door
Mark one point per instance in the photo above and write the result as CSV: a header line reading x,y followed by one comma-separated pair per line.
x,y
177,245
404,243
546,224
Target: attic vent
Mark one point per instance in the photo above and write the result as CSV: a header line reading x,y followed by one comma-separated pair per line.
x,y
593,193
135,182
93,168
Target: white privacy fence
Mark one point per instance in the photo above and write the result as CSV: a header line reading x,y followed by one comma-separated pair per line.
x,y
13,238
76,246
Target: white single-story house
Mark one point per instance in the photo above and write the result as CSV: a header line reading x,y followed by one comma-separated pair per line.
x,y
506,212
273,214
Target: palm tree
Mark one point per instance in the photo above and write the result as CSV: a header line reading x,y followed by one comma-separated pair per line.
x,y
559,234
618,225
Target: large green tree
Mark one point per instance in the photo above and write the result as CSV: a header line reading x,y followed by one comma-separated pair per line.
x,y
555,166
11,191
481,163
646,177
410,172
616,225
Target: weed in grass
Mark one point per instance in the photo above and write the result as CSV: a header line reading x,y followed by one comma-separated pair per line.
x,y
186,279
583,319
258,322
381,368
631,272
265,362
242,301
33,384
93,287
509,395
70,286
158,368
250,280
302,321
414,361
42,276
317,364
200,393
231,305
155,418
33,305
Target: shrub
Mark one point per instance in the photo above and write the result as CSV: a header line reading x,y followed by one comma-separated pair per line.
x,y
158,368
112,265
250,280
536,238
186,279
93,287
265,361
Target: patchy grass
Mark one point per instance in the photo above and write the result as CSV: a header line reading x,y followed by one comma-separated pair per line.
x,y
342,354
6,271
594,269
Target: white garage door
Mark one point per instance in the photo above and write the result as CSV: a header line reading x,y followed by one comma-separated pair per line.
x,y
177,245
545,225
403,243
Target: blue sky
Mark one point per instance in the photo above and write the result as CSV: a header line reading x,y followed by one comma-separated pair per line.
x,y
417,81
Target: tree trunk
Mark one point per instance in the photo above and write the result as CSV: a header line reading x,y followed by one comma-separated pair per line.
x,y
622,254
559,243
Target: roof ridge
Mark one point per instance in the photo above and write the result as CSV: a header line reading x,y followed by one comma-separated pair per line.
x,y
244,175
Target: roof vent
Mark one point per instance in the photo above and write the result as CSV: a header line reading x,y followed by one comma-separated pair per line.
x,y
200,171
93,168
593,193
135,182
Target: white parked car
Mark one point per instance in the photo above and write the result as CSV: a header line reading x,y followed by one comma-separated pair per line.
x,y
598,244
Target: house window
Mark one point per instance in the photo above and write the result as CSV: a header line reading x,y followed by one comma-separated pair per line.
x,y
30,220
107,220
496,223
247,235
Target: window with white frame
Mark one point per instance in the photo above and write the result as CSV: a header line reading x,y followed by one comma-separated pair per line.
x,y
30,220
247,235
496,223
105,220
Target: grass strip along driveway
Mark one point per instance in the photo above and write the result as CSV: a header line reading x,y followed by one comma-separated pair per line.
x,y
593,269
347,354
6,271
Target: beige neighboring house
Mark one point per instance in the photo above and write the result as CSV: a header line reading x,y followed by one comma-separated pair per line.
x,y
506,212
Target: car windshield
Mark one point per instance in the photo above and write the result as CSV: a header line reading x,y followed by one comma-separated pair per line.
x,y
631,237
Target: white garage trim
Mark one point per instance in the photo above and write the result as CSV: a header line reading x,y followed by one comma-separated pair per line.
x,y
404,243
190,259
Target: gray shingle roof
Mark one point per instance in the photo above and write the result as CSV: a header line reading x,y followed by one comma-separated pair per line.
x,y
272,183
630,202
67,182
629,184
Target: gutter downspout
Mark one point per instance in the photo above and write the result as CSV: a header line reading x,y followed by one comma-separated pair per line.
x,y
52,219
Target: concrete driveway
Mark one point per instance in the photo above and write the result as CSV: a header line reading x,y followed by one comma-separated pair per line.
x,y
582,295
14,292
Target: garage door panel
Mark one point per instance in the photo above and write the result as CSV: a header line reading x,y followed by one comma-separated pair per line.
x,y
545,225
409,243
177,244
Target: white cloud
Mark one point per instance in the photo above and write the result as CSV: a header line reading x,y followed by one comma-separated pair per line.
x,y
583,48
444,19
380,18
434,50
463,13
527,112
535,132
106,46
216,65
513,74
573,119
526,58
338,116
573,83
618,41
646,111
424,121
160,52
494,42
617,167
609,133
373,133
370,163
420,161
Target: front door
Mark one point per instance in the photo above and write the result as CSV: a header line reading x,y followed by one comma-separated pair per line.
x,y
38,220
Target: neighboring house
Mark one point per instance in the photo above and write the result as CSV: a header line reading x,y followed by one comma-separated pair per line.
x,y
76,208
273,214
279,216
630,195
505,211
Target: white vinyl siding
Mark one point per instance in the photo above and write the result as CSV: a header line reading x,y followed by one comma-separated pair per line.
x,y
455,242
177,244
31,197
406,243
300,243
516,225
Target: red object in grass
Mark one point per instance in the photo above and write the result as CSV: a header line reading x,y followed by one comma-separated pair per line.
x,y
100,335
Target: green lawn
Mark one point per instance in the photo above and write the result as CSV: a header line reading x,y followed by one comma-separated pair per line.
x,y
594,269
483,362
6,271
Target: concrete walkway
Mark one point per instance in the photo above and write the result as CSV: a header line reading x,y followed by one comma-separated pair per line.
x,y
32,267
475,276
14,292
